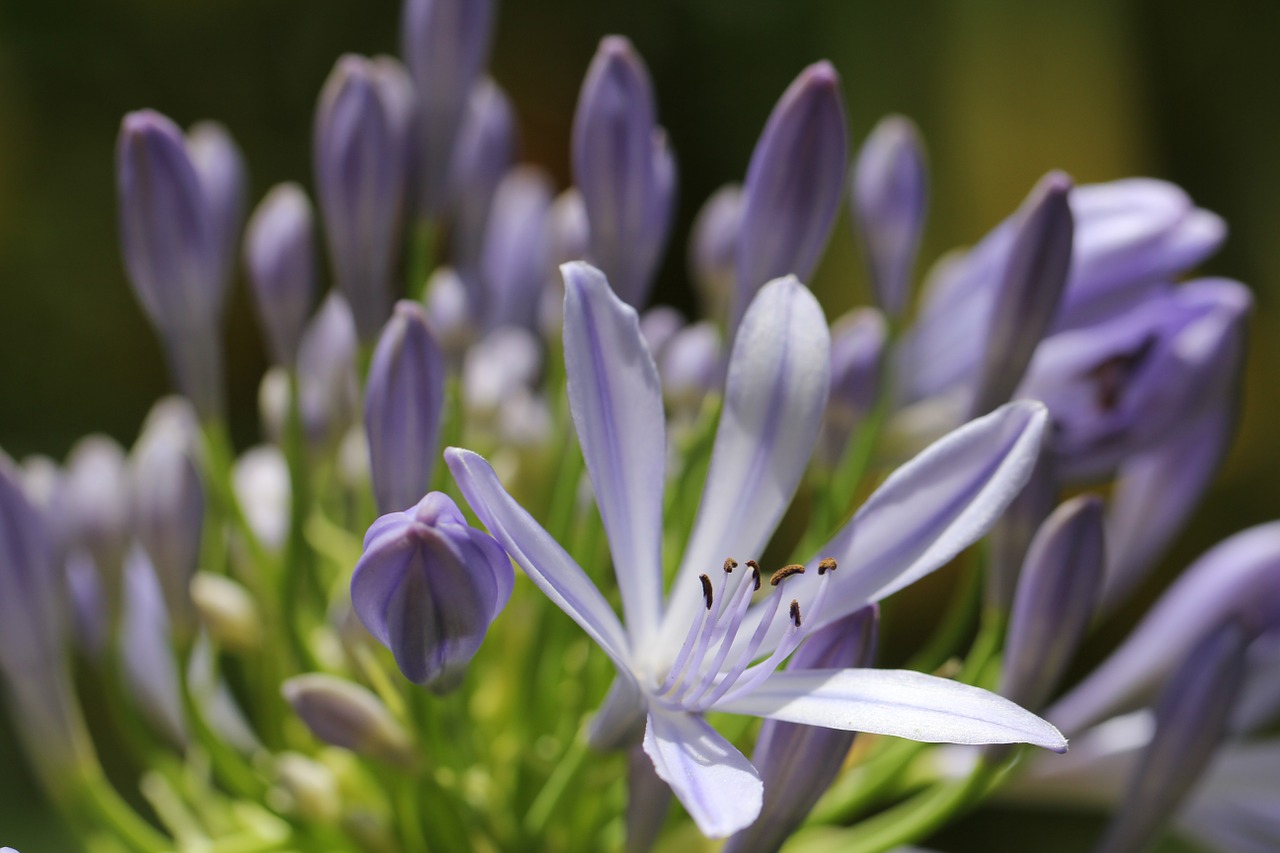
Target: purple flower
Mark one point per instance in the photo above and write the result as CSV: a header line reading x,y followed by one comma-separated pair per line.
x,y
427,587
693,652
279,255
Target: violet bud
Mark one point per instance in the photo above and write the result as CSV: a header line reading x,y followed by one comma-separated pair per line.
x,y
328,389
485,151
445,44
342,713
857,350
798,763
30,610
1056,598
713,249
42,480
659,325
516,249
94,504
427,587
890,198
220,168
1012,534
1029,290
1191,718
690,366
280,257
448,307
404,403
86,605
146,650
623,169
568,230
261,482
794,183
362,129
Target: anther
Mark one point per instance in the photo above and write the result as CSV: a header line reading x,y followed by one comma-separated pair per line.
x,y
755,573
706,589
785,572
827,565
795,612
729,565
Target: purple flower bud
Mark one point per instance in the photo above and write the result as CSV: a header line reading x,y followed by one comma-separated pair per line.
x,y
260,478
427,587
146,650
1191,717
94,504
690,367
328,389
659,325
1029,291
86,605
1056,597
793,187
445,44
344,714
713,249
404,403
623,168
517,249
890,197
1238,580
280,257
448,307
648,800
485,151
30,612
857,348
798,763
362,129
180,213
570,233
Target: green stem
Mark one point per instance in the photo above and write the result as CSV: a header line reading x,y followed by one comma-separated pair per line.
x,y
539,814
920,816
112,811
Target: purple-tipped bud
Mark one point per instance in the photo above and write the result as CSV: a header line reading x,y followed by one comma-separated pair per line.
x,y
94,505
260,478
713,249
1191,717
890,198
146,653
857,349
793,187
690,366
517,249
280,257
168,502
1237,580
362,135
1029,291
344,714
448,307
328,389
427,587
30,612
798,763
485,151
1012,535
445,44
404,403
181,203
623,168
570,234
1056,598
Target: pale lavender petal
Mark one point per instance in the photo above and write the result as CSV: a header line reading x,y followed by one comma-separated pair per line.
x,y
715,783
616,402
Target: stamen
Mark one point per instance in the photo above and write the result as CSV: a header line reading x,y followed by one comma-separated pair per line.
x,y
682,658
706,590
730,564
785,572
827,565
755,573
795,612
725,633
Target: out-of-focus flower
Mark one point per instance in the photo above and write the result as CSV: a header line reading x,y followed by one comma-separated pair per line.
x,y
227,611
146,652
516,248
713,250
260,478
94,505
345,714
857,350
689,365
280,258
328,389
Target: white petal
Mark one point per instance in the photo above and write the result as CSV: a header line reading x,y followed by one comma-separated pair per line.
x,y
895,702
717,785
617,408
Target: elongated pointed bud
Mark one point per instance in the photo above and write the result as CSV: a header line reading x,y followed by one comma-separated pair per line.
x,y
146,650
890,198
485,152
342,713
94,505
1030,289
220,169
793,187
1191,718
445,44
328,389
857,351
362,135
280,258
517,249
713,250
31,617
1012,535
623,167
798,763
404,403
427,587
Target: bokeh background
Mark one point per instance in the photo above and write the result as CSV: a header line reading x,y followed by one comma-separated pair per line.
x,y
1003,91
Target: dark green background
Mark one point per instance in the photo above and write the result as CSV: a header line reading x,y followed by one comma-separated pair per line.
x,y
1003,91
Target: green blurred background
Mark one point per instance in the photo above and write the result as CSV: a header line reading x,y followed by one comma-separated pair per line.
x,y
1002,90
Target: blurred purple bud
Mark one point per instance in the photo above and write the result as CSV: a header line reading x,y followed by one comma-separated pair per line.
x,y
1012,535
506,359
517,249
793,187
342,713
260,478
890,198
713,249
445,44
404,404
280,257
485,151
1056,598
448,307
86,605
659,325
798,763
1239,579
94,504
623,168
146,649
690,366
30,610
220,168
427,587
1028,293
570,233
328,389
1191,717
362,128
42,480
1258,707
857,350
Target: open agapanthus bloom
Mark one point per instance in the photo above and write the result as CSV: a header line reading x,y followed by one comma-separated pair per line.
x,y
709,647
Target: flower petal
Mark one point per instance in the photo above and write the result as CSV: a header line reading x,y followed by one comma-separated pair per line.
x,y
548,565
717,785
779,378
894,702
616,402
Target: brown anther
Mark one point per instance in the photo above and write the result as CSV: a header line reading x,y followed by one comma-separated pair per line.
x,y
795,612
755,573
827,565
785,572
729,565
706,590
